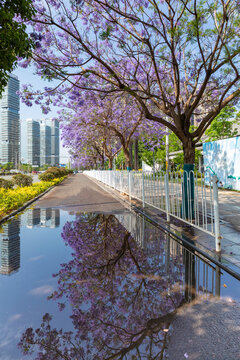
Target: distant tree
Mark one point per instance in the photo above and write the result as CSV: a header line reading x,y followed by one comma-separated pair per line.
x,y
14,41
160,151
8,166
223,125
117,120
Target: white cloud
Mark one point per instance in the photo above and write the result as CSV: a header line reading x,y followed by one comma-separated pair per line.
x,y
42,290
14,317
36,258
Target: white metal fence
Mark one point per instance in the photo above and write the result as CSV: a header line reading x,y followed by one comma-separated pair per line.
x,y
183,195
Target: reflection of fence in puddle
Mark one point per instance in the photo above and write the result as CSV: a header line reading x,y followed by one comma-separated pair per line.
x,y
135,225
195,276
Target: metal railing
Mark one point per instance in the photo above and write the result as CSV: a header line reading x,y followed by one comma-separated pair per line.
x,y
189,196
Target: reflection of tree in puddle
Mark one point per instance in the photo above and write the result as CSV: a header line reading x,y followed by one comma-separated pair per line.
x,y
122,299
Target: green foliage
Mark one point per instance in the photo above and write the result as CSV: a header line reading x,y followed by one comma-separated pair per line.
x,y
44,167
6,184
22,180
53,173
7,166
26,167
178,160
14,41
11,199
222,126
160,153
46,176
120,160
105,34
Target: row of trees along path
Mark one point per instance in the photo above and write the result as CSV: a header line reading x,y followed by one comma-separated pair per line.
x,y
178,59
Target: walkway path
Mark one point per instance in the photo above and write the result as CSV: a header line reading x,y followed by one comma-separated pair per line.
x,y
206,331
79,193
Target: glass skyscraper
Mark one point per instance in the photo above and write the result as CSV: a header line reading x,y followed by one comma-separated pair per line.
x,y
54,142
10,123
42,142
45,143
33,142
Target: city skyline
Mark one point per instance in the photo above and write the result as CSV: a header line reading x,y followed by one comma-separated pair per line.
x,y
27,76
16,150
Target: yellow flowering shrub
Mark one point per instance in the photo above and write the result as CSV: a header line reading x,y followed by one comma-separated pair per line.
x,y
11,199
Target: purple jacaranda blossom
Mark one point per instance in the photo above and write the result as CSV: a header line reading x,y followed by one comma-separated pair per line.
x,y
171,62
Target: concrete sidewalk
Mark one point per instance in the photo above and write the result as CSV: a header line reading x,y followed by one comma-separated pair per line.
x,y
229,208
205,331
79,194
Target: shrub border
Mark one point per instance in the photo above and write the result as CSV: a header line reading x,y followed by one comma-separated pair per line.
x,y
29,202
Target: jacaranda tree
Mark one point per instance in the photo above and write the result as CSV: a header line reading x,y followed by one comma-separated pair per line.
x,y
182,56
113,121
90,145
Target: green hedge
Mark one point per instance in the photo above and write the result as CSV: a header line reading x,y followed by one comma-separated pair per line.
x,y
12,199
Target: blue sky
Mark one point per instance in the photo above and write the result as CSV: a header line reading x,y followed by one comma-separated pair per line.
x,y
26,76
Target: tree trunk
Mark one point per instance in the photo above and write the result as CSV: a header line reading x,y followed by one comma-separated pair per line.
x,y
102,162
136,154
188,180
189,152
127,158
110,164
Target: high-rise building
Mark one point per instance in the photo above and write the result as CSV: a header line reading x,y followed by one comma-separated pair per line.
x,y
42,142
10,123
45,143
54,142
33,142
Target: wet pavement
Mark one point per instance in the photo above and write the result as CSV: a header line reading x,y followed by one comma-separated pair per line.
x,y
107,284
78,193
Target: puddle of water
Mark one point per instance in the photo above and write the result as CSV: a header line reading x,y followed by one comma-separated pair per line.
x,y
117,281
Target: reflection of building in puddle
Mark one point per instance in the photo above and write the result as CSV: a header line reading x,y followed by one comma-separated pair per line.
x,y
10,248
33,217
49,218
45,217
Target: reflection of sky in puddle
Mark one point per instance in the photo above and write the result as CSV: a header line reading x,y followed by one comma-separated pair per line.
x,y
121,290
